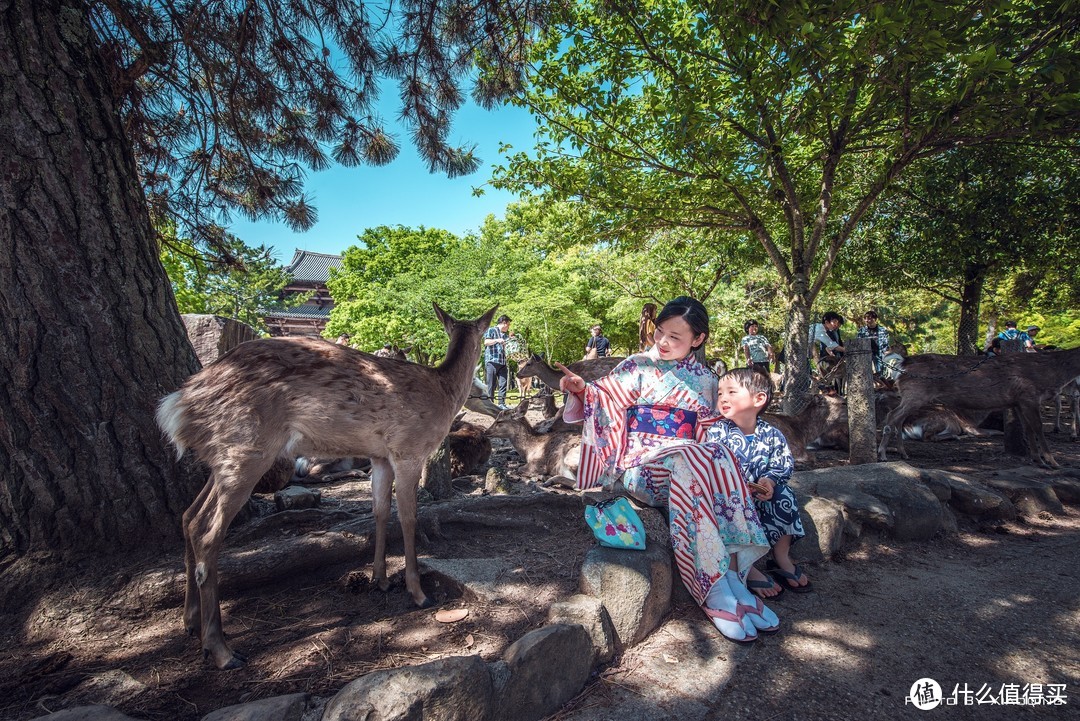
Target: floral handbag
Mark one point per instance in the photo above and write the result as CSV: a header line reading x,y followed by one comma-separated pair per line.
x,y
616,524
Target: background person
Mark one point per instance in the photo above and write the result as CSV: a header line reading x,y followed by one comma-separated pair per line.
x,y
646,327
879,338
495,371
599,343
759,353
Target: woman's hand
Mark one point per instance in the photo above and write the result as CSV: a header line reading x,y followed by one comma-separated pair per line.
x,y
570,382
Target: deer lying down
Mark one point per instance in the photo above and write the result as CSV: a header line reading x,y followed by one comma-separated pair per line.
x,y
1020,381
545,454
285,397
817,418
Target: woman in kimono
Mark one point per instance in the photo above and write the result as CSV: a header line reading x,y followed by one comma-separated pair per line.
x,y
644,426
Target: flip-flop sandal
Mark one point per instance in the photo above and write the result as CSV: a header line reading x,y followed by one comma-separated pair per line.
x,y
783,578
769,582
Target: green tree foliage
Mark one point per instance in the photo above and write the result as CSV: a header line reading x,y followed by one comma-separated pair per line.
x,y
1001,213
785,121
243,290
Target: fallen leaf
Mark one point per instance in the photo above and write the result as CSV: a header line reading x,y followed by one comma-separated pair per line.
x,y
670,659
468,641
451,615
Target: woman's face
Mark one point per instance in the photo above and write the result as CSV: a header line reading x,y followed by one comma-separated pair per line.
x,y
675,340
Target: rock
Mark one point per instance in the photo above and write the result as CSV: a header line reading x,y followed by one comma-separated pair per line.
x,y
296,497
496,482
938,483
890,497
458,688
823,521
276,708
1067,489
589,613
213,336
634,586
1030,495
87,713
486,580
541,671
972,498
948,521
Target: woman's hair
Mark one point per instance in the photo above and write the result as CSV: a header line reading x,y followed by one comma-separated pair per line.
x,y
695,315
754,381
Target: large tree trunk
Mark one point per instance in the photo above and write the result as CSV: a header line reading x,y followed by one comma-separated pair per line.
x,y
90,336
967,333
797,379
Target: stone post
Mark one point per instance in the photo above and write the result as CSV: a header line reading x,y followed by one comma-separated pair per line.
x,y
859,389
1015,442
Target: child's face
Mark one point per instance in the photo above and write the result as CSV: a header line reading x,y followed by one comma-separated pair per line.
x,y
674,339
752,330
738,403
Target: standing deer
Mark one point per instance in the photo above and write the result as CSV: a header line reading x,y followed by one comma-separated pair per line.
x,y
590,370
1071,390
1020,381
285,397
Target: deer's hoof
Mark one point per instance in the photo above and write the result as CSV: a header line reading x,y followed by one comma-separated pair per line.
x,y
426,603
235,660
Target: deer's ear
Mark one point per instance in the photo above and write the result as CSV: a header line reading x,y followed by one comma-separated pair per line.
x,y
443,316
484,321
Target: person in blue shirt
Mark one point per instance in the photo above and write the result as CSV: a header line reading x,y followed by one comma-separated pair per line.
x,y
599,342
495,369
1011,333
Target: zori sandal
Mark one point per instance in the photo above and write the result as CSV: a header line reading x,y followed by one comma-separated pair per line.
x,y
786,579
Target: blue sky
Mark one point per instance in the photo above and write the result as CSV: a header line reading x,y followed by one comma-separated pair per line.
x,y
404,192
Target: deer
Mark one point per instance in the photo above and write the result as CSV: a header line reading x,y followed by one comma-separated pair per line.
x,y
590,370
279,398
819,416
554,453
1020,381
1071,390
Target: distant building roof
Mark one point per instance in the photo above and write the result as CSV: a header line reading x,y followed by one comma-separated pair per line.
x,y
300,311
312,267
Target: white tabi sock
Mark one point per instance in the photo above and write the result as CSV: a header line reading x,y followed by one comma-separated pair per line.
x,y
760,615
721,598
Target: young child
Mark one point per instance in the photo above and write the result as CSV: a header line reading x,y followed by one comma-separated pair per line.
x,y
766,461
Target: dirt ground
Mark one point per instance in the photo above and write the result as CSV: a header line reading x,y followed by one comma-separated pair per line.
x,y
996,604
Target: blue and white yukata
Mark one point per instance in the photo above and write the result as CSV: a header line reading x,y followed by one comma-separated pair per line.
x,y
765,454
644,424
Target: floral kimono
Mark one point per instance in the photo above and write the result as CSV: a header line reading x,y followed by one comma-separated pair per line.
x,y
644,426
765,454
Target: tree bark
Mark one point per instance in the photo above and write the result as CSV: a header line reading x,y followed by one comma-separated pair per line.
x,y
90,337
797,380
967,332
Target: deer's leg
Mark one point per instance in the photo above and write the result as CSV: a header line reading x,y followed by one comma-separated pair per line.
x,y
1057,412
1075,413
382,480
207,529
407,473
1038,448
894,425
191,593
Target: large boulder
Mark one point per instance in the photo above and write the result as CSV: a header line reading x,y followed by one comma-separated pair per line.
x,y
276,708
458,688
634,586
589,613
889,497
540,672
970,497
213,336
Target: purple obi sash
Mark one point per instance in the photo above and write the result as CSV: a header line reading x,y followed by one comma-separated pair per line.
x,y
664,421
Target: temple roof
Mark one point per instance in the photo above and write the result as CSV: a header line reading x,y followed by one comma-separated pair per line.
x,y
312,267
300,311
